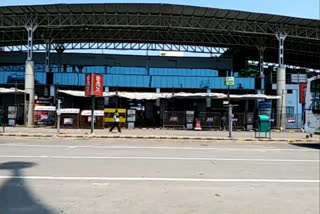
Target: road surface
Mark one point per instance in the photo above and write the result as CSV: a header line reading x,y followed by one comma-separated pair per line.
x,y
69,176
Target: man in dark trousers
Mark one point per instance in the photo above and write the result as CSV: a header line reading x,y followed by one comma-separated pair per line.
x,y
116,120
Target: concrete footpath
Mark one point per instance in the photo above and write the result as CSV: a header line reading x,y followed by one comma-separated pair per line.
x,y
287,136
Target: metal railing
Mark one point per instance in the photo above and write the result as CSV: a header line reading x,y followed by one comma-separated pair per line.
x,y
293,121
174,119
238,121
210,120
219,120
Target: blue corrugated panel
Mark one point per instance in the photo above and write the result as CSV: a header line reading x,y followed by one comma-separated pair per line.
x,y
3,77
128,81
156,81
40,78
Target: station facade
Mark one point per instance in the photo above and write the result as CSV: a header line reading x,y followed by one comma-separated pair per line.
x,y
131,74
29,35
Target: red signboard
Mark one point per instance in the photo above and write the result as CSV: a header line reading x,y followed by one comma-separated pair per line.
x,y
302,92
94,85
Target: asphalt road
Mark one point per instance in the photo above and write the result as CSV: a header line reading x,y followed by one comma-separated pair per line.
x,y
49,176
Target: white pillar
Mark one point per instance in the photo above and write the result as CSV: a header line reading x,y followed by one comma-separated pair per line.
x,y
106,99
158,100
208,99
281,103
281,83
29,89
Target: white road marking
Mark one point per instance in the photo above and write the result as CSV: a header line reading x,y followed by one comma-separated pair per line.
x,y
158,148
159,158
160,179
100,184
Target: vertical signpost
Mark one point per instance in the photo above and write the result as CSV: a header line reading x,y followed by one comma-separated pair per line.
x,y
59,116
93,88
229,81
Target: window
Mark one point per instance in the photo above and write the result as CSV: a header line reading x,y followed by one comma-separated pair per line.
x,y
290,91
315,93
290,110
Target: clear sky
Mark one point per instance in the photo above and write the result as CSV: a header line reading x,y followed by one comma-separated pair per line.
x,y
297,8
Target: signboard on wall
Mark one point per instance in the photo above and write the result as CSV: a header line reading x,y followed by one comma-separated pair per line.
x,y
302,92
131,115
43,100
229,81
94,85
96,113
264,107
12,112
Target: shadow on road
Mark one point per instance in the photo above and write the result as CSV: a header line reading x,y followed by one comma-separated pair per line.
x,y
15,196
308,145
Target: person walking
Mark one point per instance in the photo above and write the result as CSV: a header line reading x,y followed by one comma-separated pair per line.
x,y
116,120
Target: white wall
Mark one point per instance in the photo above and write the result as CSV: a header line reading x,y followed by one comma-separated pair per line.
x,y
293,99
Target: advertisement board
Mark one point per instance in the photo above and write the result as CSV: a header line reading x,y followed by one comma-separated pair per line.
x,y
12,112
44,117
264,108
190,116
94,85
131,115
87,88
68,121
302,92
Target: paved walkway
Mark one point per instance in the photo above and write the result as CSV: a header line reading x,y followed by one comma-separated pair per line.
x,y
290,136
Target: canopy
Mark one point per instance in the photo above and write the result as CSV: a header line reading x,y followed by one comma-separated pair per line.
x,y
154,96
11,91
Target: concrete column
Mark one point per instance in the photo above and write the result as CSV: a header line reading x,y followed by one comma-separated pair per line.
x,y
208,99
106,99
158,100
281,103
281,83
29,89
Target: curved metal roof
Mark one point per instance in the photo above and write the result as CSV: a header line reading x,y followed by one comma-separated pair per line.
x,y
158,23
164,9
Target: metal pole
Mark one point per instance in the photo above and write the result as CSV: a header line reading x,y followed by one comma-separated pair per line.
x,y
229,113
92,113
230,120
59,116
261,68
